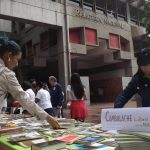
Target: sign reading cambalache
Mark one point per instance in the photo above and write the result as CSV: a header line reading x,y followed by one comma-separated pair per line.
x,y
132,119
94,17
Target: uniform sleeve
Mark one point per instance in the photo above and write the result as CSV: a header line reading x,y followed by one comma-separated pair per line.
x,y
60,95
14,88
127,94
38,95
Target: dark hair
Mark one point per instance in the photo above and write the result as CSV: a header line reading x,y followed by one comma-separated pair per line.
x,y
26,85
77,85
32,82
143,57
39,84
7,45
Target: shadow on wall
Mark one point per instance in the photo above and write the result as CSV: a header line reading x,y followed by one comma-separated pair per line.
x,y
105,90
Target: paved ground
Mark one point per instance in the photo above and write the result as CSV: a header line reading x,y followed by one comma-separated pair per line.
x,y
94,110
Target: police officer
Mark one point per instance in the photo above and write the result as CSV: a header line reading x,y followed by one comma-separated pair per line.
x,y
140,82
10,54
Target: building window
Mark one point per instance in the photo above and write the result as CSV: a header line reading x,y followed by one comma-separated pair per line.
x,y
111,8
134,15
101,6
91,36
75,2
121,11
114,41
88,4
75,35
141,16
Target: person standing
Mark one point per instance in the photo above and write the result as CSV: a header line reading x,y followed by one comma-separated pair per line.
x,y
28,88
43,98
57,96
10,54
76,94
3,107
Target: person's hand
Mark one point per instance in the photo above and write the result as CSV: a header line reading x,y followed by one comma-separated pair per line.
x,y
53,122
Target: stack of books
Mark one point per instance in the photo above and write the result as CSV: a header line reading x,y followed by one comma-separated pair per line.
x,y
66,123
133,140
49,145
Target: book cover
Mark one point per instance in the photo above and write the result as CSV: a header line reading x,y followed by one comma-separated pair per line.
x,y
69,138
24,136
90,140
49,145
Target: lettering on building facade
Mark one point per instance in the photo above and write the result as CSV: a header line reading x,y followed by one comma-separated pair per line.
x,y
91,16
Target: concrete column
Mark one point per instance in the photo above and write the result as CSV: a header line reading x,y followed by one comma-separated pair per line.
x,y
128,13
62,59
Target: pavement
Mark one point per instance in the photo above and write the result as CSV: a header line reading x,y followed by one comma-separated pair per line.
x,y
94,110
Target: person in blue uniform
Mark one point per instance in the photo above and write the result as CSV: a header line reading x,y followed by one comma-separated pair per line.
x,y
57,96
140,82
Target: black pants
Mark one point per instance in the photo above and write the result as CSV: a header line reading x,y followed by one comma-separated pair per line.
x,y
49,111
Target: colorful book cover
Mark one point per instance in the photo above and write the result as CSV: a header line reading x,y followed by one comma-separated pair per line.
x,y
69,138
90,139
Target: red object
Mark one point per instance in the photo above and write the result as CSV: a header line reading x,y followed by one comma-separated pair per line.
x,y
74,35
78,110
15,104
90,36
114,41
69,138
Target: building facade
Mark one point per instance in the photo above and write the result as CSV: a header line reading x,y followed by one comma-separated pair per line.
x,y
93,37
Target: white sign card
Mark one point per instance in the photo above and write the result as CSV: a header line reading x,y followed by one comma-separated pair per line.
x,y
129,119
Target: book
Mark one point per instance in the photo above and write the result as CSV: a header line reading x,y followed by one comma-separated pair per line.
x,y
24,136
66,123
132,141
138,134
49,145
96,146
86,132
69,138
90,140
29,143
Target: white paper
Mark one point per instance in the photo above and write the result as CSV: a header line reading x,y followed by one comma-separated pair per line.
x,y
132,119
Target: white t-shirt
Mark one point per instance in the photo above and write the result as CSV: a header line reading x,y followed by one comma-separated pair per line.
x,y
45,99
73,97
31,94
3,104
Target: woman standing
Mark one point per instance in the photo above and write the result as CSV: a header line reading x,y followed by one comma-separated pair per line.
x,y
10,54
76,94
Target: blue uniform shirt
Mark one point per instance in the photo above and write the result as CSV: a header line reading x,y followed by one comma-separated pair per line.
x,y
56,95
138,84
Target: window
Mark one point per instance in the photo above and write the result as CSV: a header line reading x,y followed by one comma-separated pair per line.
x,y
101,6
111,8
74,35
75,2
91,36
114,41
121,10
134,15
141,15
88,4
